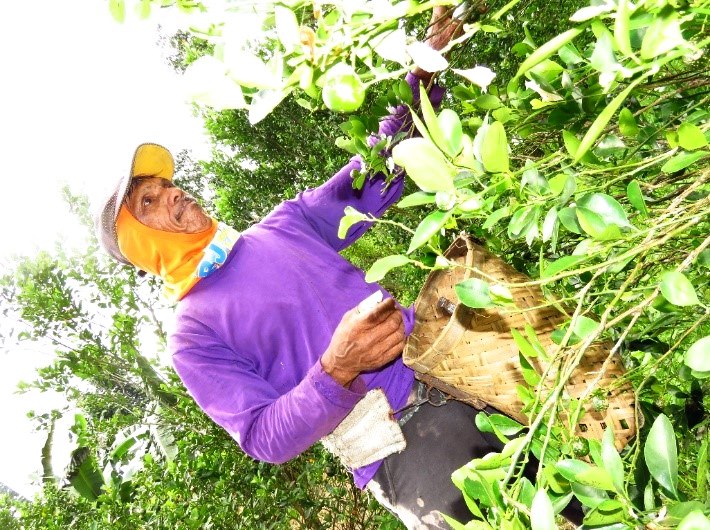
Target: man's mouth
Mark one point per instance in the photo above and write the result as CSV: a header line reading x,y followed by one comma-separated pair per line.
x,y
186,202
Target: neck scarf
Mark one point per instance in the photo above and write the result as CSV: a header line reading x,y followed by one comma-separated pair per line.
x,y
181,260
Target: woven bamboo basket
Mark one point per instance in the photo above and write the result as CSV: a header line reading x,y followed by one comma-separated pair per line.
x,y
471,354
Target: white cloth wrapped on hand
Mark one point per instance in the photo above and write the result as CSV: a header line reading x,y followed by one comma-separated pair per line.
x,y
368,434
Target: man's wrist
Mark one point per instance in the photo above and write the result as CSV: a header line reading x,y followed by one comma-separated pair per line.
x,y
342,377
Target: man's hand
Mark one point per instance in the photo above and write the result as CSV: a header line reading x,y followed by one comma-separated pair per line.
x,y
364,341
442,28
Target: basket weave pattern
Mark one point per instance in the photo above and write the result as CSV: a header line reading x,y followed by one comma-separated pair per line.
x,y
471,354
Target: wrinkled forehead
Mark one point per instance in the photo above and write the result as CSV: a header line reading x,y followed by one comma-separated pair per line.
x,y
146,183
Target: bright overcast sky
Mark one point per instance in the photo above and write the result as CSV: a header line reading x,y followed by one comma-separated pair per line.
x,y
78,93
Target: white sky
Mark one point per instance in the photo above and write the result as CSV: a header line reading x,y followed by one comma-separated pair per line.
x,y
78,92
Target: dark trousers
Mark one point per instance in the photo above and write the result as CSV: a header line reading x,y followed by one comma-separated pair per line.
x,y
416,483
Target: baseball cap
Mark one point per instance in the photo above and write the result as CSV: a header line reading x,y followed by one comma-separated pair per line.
x,y
149,160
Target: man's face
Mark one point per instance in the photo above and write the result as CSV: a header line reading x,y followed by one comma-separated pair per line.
x,y
158,204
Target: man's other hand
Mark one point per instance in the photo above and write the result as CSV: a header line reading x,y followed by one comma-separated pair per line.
x,y
364,341
441,30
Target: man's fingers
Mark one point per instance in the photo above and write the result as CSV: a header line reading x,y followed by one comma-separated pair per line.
x,y
380,312
387,333
393,352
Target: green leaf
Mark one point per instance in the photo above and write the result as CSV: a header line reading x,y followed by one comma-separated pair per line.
x,y
450,127
263,102
431,121
286,27
429,226
523,345
605,206
382,266
487,102
677,289
602,119
424,164
633,192
351,217
505,425
562,264
578,471
343,90
627,123
589,496
547,49
695,520
121,450
690,137
535,342
584,326
568,218
530,375
612,460
702,468
405,92
494,148
572,144
495,217
622,32
549,226
698,355
678,511
474,293
596,226
542,514
522,221
421,128
605,514
532,179
662,35
117,8
142,9
603,59
426,57
682,160
501,295
84,474
392,45
661,454
417,199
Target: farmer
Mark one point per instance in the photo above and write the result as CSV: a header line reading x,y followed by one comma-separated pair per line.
x,y
272,337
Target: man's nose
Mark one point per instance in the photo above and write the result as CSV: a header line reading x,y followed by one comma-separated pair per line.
x,y
173,195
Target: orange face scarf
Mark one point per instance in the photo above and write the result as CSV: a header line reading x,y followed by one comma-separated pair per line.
x,y
181,260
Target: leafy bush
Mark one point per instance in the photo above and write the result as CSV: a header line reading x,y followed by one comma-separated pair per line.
x,y
584,165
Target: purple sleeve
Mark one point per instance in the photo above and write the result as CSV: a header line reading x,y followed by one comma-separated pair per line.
x,y
267,426
323,206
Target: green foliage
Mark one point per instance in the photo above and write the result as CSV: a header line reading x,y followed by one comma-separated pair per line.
x,y
253,168
145,455
584,164
212,484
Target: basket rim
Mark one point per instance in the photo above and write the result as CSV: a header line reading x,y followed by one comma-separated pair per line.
x,y
432,352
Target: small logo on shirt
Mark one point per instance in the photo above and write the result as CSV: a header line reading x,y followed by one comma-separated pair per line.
x,y
217,250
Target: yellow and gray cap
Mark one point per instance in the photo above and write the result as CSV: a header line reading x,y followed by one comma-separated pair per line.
x,y
149,160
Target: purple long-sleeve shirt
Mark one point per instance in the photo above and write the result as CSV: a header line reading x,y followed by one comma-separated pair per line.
x,y
248,338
